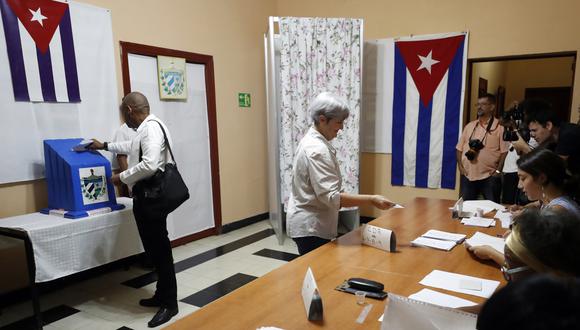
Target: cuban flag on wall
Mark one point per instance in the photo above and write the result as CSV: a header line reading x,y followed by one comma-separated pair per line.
x,y
40,48
428,89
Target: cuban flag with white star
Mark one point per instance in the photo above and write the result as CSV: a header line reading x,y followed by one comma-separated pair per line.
x,y
428,90
39,42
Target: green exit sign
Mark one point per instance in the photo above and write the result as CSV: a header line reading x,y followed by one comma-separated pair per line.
x,y
244,100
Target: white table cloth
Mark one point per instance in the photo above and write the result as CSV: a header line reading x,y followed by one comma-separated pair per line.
x,y
67,246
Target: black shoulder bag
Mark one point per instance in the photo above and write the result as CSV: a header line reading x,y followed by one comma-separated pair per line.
x,y
165,190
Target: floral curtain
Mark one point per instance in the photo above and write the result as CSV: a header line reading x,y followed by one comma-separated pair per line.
x,y
318,55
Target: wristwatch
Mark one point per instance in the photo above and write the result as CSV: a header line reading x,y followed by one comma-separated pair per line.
x,y
106,146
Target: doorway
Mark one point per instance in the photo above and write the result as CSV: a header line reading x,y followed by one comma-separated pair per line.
x,y
514,78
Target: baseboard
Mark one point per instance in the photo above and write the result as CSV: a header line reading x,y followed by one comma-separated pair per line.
x,y
244,222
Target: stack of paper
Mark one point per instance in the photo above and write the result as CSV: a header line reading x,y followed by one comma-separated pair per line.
x,y
478,222
480,239
438,239
443,235
433,243
460,283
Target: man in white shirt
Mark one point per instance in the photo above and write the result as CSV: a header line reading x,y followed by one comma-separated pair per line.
x,y
148,153
316,196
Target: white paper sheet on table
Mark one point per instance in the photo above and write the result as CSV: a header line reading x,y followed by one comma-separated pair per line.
x,y
443,235
485,205
452,281
479,239
478,222
441,299
505,217
434,243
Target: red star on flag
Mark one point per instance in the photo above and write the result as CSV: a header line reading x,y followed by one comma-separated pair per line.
x,y
428,61
40,18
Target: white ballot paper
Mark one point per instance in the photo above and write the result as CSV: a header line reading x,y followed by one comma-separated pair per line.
x,y
480,239
485,205
434,243
406,313
443,235
377,237
441,299
82,146
457,282
478,222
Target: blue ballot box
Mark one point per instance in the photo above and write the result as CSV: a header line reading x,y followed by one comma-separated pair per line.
x,y
77,181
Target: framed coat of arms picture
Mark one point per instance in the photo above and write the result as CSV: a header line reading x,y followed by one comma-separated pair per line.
x,y
172,78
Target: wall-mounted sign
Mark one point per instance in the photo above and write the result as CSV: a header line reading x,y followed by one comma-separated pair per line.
x,y
244,100
172,78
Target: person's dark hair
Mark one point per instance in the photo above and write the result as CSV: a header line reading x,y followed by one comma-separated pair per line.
x,y
537,302
490,98
540,111
544,161
551,236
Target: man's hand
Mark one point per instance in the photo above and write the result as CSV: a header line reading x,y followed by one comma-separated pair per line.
x,y
521,146
381,202
116,180
96,145
462,170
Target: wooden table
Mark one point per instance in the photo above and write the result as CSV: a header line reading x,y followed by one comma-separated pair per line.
x,y
275,300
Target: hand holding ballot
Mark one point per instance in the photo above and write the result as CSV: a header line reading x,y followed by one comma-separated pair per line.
x,y
97,145
381,202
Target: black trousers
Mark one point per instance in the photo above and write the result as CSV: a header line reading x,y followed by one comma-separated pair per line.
x,y
309,243
490,188
152,226
509,188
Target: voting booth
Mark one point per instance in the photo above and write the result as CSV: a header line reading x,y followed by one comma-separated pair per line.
x,y
77,182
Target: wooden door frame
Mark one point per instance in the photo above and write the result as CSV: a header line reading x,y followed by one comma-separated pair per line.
x,y
207,61
471,61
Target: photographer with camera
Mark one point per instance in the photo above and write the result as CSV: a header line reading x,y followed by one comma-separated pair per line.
x,y
550,132
481,152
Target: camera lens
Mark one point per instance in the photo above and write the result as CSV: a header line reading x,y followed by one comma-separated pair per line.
x,y
470,154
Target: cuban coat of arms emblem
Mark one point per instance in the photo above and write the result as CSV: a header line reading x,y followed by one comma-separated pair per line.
x,y
93,185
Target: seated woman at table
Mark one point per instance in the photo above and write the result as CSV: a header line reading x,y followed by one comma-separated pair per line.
x,y
543,178
541,242
316,196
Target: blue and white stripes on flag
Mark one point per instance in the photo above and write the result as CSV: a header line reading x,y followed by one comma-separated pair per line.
x,y
37,75
429,84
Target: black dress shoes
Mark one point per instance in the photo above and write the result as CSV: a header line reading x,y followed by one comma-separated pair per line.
x,y
150,302
163,315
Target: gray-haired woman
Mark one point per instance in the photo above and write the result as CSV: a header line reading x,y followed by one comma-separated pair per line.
x,y
316,197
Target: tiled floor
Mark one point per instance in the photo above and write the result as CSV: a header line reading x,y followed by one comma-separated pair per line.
x,y
206,270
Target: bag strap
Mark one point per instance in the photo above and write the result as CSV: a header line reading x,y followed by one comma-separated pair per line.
x,y
166,143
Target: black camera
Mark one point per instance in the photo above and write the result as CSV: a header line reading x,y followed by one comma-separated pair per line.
x,y
475,145
513,121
